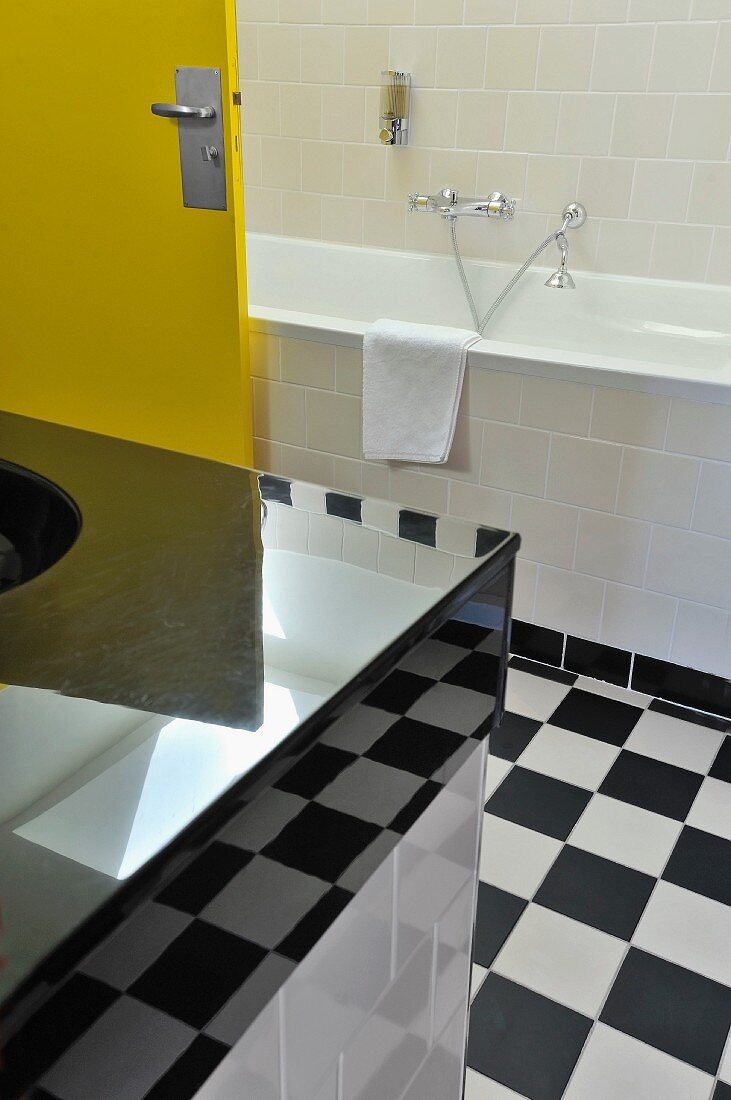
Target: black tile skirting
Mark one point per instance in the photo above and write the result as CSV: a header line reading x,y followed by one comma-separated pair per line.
x,y
685,687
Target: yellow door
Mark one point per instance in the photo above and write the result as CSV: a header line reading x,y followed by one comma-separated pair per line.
x,y
122,311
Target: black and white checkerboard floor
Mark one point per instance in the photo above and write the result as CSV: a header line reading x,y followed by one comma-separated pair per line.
x,y
603,946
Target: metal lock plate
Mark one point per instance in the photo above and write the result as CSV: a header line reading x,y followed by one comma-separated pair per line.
x,y
202,150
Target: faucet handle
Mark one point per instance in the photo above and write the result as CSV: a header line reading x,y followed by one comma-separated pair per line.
x,y
500,206
450,195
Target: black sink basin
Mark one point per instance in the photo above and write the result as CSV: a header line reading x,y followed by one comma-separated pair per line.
x,y
39,523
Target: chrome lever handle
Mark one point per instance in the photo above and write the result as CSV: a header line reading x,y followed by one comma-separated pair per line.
x,y
177,110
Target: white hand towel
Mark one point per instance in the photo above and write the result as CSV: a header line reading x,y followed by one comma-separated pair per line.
x,y
412,381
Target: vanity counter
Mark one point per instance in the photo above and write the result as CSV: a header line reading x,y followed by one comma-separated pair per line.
x,y
222,684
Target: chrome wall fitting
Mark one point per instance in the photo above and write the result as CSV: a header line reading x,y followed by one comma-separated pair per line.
x,y
395,104
448,205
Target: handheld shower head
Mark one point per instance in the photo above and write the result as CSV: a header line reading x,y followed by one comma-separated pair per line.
x,y
561,279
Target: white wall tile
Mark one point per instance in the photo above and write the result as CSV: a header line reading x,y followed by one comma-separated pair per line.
x,y
569,602
584,472
564,58
690,565
512,53
642,125
661,190
558,406
483,505
721,75
532,121
701,127
547,530
697,428
702,638
639,621
612,547
682,58
657,487
625,416
514,458
712,512
622,58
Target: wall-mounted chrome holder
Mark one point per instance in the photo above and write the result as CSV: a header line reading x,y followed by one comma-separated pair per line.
x,y
395,104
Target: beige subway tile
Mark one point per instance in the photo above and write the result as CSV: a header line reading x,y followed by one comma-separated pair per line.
x,y
366,54
343,113
279,52
260,107
390,12
460,57
322,167
438,12
551,182
584,472
300,11
556,405
306,465
326,537
414,49
342,219
301,107
585,123
463,463
570,602
308,363
396,558
641,125
624,247
701,127
657,487
376,479
360,547
407,172
598,11
719,264
263,210
344,11
709,9
264,355
681,252
498,171
712,513
435,123
302,215
257,11
564,58
699,428
547,530
661,190
417,490
489,11
612,547
252,159
622,58
384,224
281,163
605,186
248,42
721,75
639,621
542,11
347,474
323,53
513,241
364,171
532,121
512,54
479,504
710,194
481,119
709,579
650,11
279,412
514,458
433,568
524,591
268,456
349,371
627,416
333,423
682,57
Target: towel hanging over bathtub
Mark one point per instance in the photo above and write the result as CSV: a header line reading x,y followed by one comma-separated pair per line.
x,y
412,381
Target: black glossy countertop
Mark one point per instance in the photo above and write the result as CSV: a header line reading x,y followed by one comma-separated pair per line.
x,y
202,625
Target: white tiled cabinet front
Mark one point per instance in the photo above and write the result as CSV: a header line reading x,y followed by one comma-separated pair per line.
x,y
378,1009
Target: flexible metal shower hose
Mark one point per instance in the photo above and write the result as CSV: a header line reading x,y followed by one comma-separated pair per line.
x,y
480,325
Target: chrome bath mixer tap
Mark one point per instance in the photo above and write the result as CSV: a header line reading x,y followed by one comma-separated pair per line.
x,y
448,205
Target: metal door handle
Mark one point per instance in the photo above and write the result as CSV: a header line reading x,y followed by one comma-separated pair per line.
x,y
177,110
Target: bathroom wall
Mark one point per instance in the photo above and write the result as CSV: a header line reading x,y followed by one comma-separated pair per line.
x,y
624,104
622,498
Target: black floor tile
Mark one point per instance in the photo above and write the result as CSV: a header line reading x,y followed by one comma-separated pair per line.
x,y
415,747
601,662
321,842
547,805
312,773
398,692
722,764
536,642
687,714
673,1009
525,1041
314,924
204,878
467,635
197,973
701,862
513,735
497,915
652,785
478,671
722,1091
596,891
186,1076
546,672
596,716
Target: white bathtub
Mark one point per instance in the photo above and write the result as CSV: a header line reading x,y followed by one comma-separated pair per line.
x,y
644,334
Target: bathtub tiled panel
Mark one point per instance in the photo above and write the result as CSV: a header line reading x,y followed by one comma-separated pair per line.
x,y
613,491
625,104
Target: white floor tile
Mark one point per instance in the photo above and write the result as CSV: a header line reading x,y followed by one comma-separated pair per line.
x,y
688,929
614,1066
711,810
572,757
477,1087
685,744
532,696
611,691
724,1071
513,858
495,772
626,834
479,973
561,958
